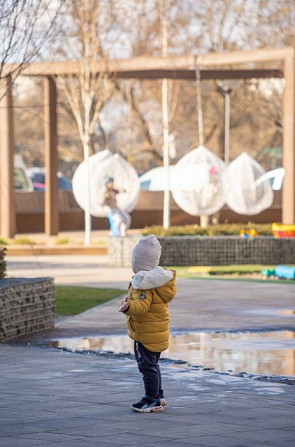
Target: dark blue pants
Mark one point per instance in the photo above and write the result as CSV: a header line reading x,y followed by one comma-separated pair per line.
x,y
147,362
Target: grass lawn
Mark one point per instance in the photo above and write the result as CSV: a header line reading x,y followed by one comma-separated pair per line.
x,y
224,269
229,272
72,300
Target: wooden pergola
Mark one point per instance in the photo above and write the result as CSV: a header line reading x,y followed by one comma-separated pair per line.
x,y
239,65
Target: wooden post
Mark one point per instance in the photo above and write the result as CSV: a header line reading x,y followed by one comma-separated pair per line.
x,y
288,201
165,118
7,198
51,159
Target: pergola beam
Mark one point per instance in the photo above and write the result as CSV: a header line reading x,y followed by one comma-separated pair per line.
x,y
172,62
205,74
51,158
264,55
288,198
211,66
7,199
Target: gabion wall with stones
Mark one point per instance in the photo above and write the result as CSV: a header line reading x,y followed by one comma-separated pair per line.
x,y
120,250
213,250
26,306
2,262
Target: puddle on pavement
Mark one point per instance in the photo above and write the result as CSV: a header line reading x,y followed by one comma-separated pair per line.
x,y
275,312
290,313
262,353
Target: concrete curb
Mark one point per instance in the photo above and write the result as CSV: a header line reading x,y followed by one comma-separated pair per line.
x,y
44,250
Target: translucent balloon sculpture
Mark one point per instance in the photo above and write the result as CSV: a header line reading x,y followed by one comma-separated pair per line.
x,y
102,165
200,182
247,195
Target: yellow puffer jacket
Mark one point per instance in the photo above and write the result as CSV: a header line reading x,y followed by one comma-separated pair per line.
x,y
148,315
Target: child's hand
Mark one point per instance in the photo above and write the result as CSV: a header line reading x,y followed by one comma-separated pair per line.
x,y
125,304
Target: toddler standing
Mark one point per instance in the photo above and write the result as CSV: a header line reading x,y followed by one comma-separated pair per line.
x,y
146,307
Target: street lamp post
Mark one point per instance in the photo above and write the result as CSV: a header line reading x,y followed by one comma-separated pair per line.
x,y
226,91
226,125
165,115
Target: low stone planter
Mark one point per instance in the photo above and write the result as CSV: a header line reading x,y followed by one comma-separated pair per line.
x,y
209,250
26,306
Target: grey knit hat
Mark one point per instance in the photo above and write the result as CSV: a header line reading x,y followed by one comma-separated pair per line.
x,y
146,254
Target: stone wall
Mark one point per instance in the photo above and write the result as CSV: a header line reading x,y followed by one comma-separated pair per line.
x,y
2,262
213,250
26,306
120,250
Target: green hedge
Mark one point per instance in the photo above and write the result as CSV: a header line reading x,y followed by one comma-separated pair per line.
x,y
211,230
2,262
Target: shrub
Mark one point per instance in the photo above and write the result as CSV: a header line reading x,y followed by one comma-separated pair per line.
x,y
3,241
62,241
23,241
211,230
2,262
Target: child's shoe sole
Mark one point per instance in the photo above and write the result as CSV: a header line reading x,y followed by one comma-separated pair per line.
x,y
148,410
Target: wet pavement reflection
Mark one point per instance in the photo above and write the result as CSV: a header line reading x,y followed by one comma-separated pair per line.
x,y
268,353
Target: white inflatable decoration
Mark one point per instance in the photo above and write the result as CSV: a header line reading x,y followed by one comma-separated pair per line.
x,y
276,177
102,165
246,194
154,179
200,182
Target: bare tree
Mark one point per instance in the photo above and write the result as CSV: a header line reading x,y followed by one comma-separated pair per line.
x,y
132,28
194,27
144,98
26,28
87,92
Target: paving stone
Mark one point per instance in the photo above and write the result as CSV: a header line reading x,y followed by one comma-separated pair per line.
x,y
12,441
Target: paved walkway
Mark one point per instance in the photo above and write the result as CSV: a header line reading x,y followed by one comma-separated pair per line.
x,y
87,270
52,397
200,305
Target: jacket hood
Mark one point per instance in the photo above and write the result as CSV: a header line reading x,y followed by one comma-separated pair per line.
x,y
157,277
